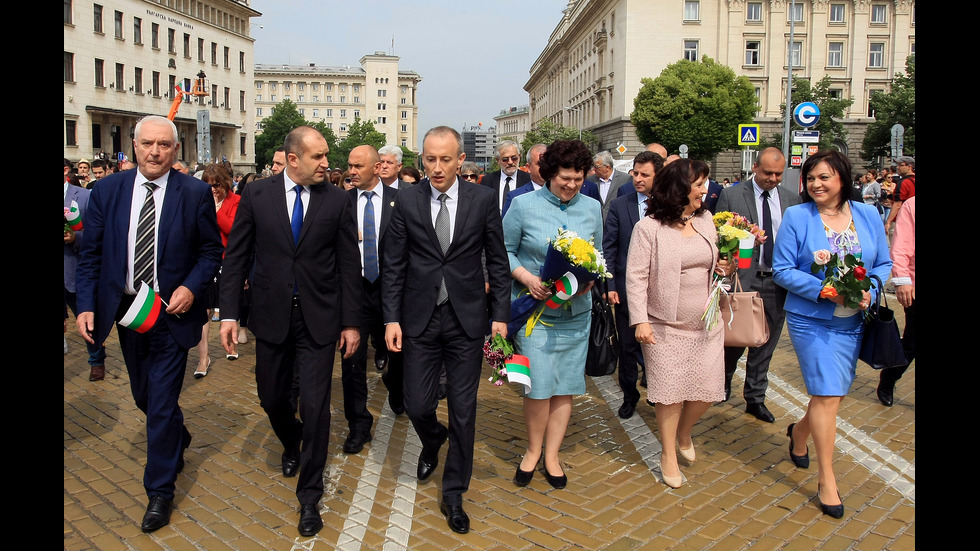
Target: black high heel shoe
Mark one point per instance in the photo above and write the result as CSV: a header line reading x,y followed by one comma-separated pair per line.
x,y
801,461
557,482
836,511
523,478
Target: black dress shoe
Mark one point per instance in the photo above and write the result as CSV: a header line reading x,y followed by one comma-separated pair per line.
x,y
626,410
836,511
886,393
309,520
523,478
429,460
761,412
157,513
180,461
381,363
355,441
290,464
557,482
801,461
459,522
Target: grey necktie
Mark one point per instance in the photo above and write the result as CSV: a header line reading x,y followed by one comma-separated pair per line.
x,y
442,232
143,257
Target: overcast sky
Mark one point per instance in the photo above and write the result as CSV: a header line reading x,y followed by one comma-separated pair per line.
x,y
473,56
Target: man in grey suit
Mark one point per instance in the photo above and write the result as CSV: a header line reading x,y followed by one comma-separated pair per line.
x,y
607,179
763,201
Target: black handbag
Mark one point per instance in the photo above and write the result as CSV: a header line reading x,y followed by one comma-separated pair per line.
x,y
603,343
881,346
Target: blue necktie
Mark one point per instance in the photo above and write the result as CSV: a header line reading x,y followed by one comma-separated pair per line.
x,y
370,240
297,221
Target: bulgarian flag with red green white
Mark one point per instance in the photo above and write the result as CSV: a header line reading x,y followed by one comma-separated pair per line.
x,y
519,371
745,247
74,217
144,311
565,289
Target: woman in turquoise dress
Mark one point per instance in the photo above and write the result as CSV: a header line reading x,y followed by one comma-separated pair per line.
x,y
825,333
558,346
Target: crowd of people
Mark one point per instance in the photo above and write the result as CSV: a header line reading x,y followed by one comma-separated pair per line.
x,y
424,267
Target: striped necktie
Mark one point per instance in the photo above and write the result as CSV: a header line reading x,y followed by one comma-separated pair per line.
x,y
145,228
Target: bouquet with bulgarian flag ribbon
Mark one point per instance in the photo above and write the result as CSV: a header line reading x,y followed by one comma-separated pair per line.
x,y
73,218
569,264
499,353
737,239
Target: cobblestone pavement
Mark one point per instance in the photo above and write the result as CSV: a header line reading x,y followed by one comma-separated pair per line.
x,y
742,493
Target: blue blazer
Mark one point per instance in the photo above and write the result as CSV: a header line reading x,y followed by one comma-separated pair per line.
x,y
188,253
80,196
801,233
622,216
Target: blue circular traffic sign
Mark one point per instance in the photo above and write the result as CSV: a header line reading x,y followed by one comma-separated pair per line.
x,y
806,114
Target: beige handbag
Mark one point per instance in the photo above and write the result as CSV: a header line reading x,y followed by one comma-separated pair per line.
x,y
744,317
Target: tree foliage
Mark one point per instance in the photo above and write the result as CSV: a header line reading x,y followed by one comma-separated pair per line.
x,y
832,111
408,157
358,133
285,118
547,131
894,107
698,103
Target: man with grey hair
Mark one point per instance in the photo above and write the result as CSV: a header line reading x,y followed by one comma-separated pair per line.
x,y
391,165
904,189
508,177
607,179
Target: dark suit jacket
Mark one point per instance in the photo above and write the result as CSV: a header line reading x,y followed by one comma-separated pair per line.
x,y
619,179
616,235
324,264
526,188
492,181
741,199
80,196
188,252
711,197
415,265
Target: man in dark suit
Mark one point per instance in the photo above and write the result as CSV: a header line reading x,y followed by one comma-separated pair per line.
x,y
508,178
435,307
372,205
712,195
763,201
306,295
391,165
158,226
607,179
624,213
534,169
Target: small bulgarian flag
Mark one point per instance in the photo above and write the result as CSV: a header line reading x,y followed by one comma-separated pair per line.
x,y
144,311
519,371
74,217
565,289
745,247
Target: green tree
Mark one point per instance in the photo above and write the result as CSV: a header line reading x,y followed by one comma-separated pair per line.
x,y
894,107
698,103
284,118
547,131
358,133
408,157
832,111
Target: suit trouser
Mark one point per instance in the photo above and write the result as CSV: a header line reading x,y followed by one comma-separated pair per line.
x,y
354,369
893,374
274,364
96,351
629,352
156,365
757,364
444,342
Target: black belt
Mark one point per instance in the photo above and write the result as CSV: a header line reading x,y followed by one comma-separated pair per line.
x,y
760,273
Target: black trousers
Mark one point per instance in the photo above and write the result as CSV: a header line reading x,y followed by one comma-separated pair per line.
x,y
893,374
313,362
444,342
630,353
354,369
757,364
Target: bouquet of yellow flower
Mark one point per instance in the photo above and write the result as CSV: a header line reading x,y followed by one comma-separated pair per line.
x,y
737,238
570,262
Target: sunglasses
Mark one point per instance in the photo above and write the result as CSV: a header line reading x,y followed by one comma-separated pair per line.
x,y
511,159
346,180
469,176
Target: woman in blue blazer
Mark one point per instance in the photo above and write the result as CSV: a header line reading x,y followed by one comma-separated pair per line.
x,y
825,333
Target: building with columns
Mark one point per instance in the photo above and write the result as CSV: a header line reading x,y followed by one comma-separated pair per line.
x,y
123,59
513,123
375,91
591,69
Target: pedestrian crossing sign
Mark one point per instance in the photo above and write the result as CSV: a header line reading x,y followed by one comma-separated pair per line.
x,y
748,134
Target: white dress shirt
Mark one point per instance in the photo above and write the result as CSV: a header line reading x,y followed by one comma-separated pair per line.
x,y
139,196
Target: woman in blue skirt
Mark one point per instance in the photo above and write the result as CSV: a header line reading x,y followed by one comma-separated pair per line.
x,y
825,333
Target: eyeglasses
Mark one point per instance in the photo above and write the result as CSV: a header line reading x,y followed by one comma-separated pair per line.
x,y
511,159
346,180
469,176
215,186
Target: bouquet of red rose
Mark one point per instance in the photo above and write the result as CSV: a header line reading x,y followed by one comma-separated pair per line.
x,y
499,353
844,276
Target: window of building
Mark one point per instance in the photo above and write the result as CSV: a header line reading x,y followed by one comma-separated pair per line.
x,y
241,144
137,30
404,114
836,93
404,89
172,41
200,49
404,128
258,85
71,136
330,125
404,101
329,86
796,13
214,96
382,106
118,18
357,87
343,113
796,54
876,55
241,61
315,99
96,136
382,120
69,67
155,83
316,113
316,86
258,97
758,96
343,99
753,11
329,99
272,98
879,13
343,87
214,53
155,35
382,93
227,103
97,14
227,57
258,111
343,127
837,13
68,13
100,73
302,112
404,142
835,54
692,10
120,76
357,113
138,80
871,96
329,112
187,45
357,99
173,83
752,52
691,50
287,85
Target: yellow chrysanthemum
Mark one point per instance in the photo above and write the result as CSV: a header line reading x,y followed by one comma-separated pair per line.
x,y
721,218
580,249
731,232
